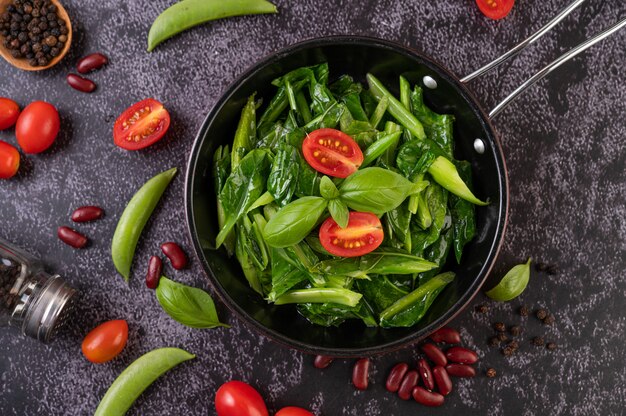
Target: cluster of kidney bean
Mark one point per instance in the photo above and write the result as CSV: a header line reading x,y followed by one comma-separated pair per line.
x,y
176,256
72,237
435,379
85,65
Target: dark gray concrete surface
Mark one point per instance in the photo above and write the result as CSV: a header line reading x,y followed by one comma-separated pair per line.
x,y
566,153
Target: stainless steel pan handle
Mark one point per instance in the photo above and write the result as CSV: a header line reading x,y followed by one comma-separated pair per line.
x,y
531,39
548,68
555,64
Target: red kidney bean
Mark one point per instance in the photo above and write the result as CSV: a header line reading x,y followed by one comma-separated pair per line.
x,y
175,254
88,213
322,361
408,382
442,379
460,370
461,355
447,335
360,373
91,62
71,237
396,375
425,374
435,354
427,398
155,265
81,84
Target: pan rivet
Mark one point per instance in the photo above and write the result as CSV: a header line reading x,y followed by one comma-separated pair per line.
x,y
429,82
479,146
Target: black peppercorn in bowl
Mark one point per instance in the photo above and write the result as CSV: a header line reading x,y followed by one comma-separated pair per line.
x,y
355,56
34,35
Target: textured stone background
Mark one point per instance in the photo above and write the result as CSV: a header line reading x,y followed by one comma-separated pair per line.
x,y
566,153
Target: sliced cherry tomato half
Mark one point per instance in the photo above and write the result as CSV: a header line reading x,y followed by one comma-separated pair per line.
x,y
105,341
332,152
9,110
237,398
293,411
9,160
37,127
495,9
141,125
363,234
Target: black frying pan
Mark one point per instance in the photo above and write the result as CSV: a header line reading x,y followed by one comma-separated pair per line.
x,y
444,93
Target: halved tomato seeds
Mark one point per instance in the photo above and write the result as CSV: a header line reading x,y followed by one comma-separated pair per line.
x,y
141,125
363,234
332,152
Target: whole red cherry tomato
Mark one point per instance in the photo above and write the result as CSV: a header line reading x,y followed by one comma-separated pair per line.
x,y
37,127
9,110
105,341
141,125
9,160
237,398
495,9
293,411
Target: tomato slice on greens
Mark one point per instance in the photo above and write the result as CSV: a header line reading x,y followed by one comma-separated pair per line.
x,y
332,152
495,9
140,125
363,234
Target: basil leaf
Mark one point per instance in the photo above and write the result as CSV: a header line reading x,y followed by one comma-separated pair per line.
x,y
328,189
294,221
188,305
242,188
339,211
283,178
512,284
377,190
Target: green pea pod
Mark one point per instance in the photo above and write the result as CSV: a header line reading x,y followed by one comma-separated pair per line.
x,y
188,13
137,377
134,219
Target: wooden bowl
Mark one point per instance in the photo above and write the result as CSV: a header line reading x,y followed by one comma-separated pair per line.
x,y
22,63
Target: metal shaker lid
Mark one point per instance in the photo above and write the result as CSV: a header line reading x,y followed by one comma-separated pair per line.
x,y
49,310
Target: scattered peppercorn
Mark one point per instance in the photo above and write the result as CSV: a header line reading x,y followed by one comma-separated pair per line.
x,y
538,341
548,320
502,337
499,326
551,346
523,310
541,314
507,351
514,345
494,341
491,372
482,309
551,269
32,30
515,330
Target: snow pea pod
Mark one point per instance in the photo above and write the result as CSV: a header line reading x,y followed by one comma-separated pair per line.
x,y
137,377
134,218
188,13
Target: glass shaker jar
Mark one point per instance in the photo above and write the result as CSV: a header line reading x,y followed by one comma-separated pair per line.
x,y
31,299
